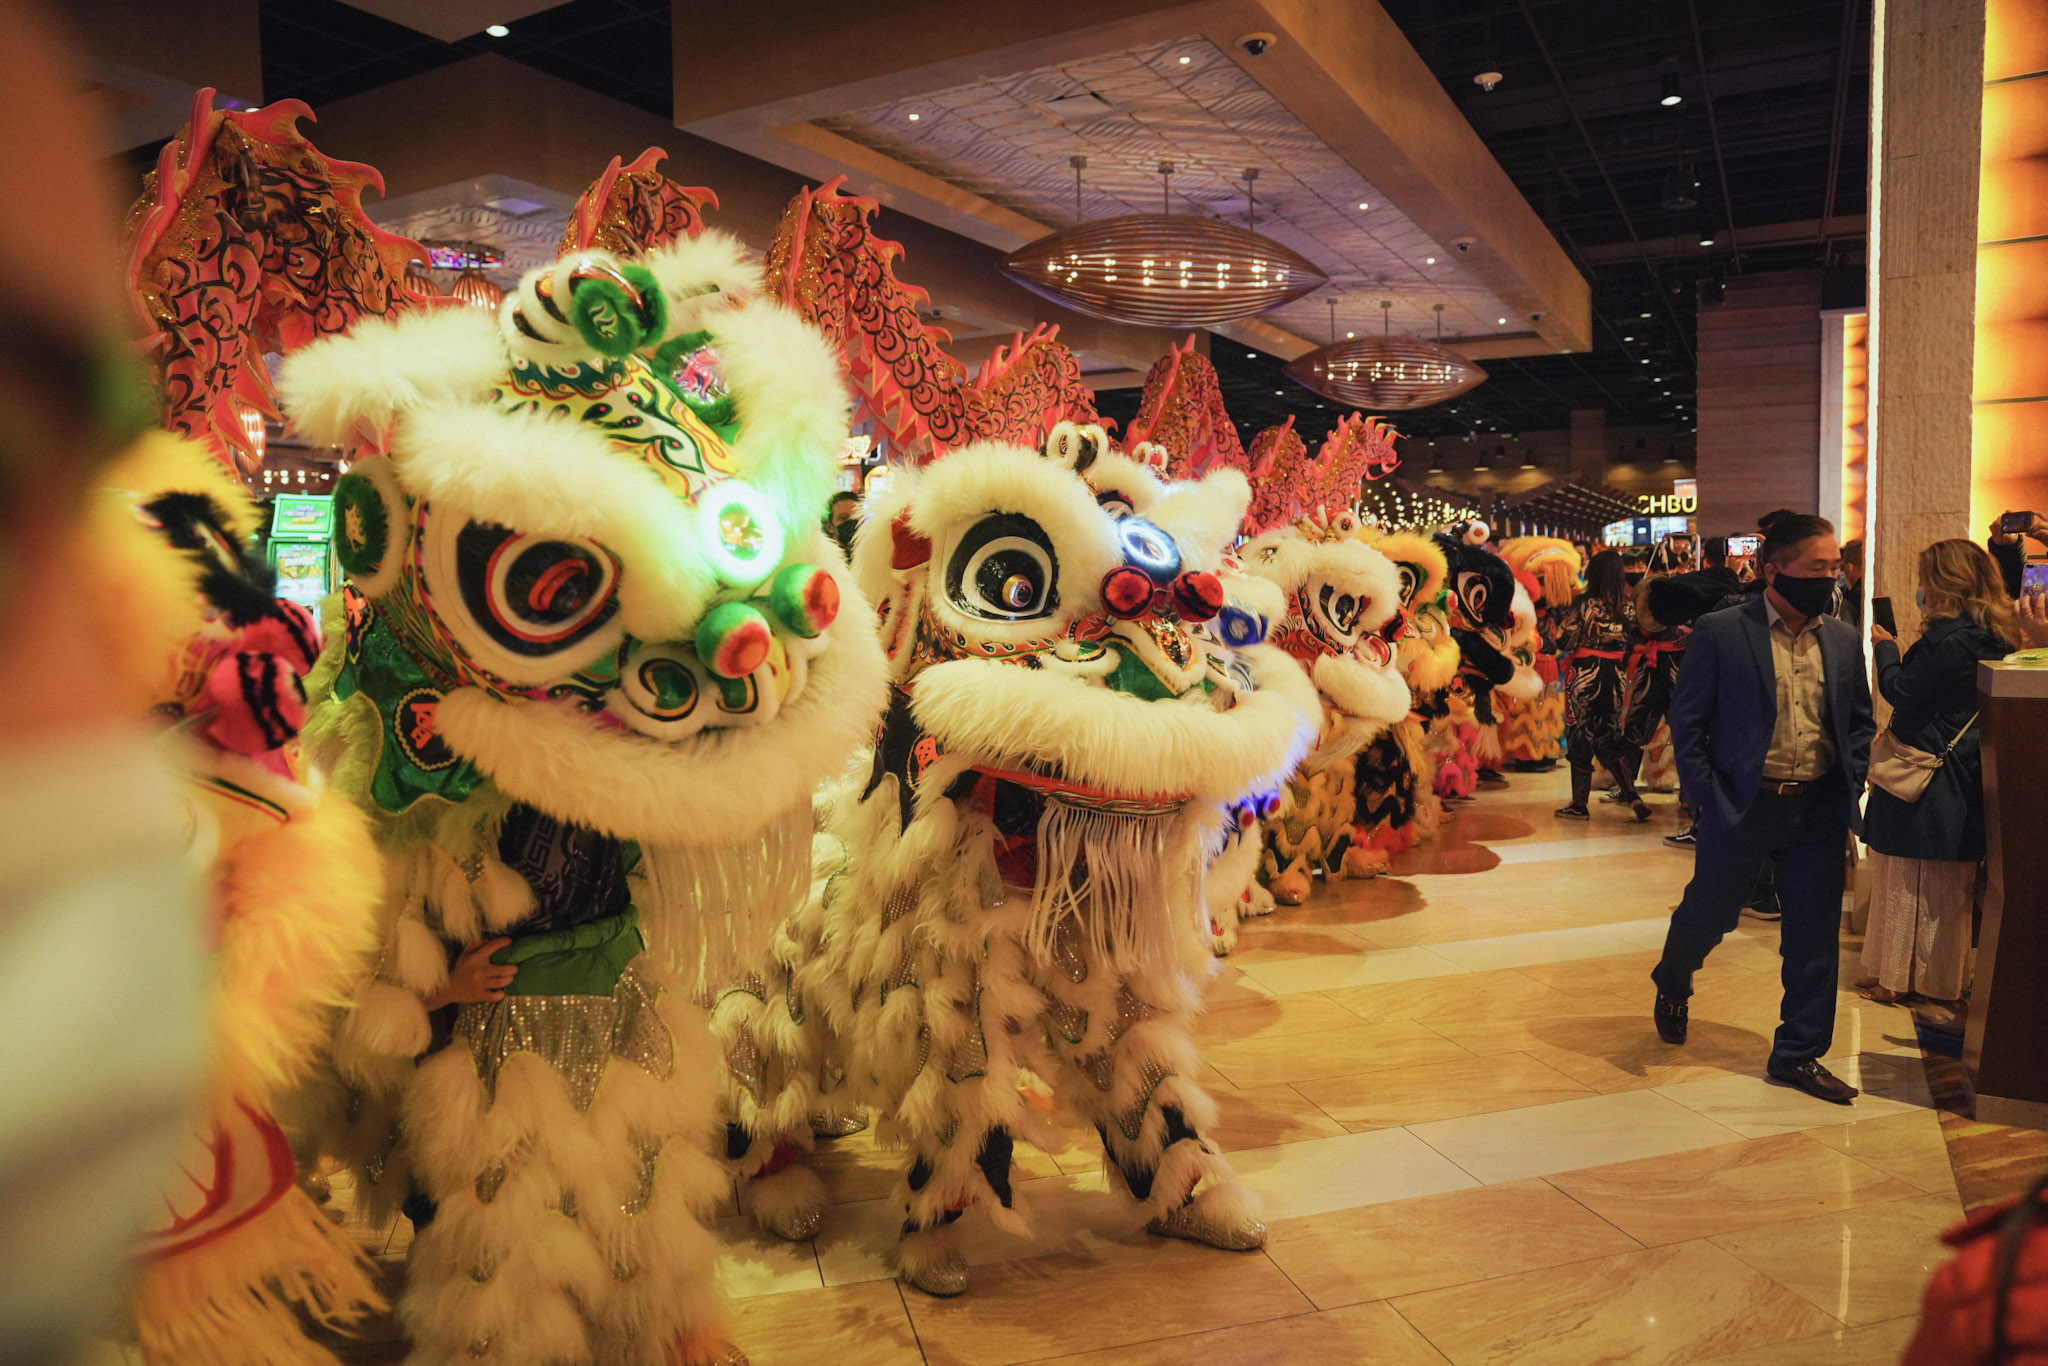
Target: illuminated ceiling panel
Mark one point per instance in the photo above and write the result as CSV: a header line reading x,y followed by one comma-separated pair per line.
x,y
1008,140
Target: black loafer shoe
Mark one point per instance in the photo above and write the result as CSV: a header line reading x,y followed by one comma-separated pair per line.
x,y
1812,1078
1671,1015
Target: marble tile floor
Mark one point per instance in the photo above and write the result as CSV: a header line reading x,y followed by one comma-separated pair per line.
x,y
1471,1145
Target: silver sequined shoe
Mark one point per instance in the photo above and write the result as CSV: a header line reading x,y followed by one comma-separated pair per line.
x,y
1198,1225
840,1125
794,1226
943,1275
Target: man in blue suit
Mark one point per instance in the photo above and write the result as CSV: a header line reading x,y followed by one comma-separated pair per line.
x,y
1771,729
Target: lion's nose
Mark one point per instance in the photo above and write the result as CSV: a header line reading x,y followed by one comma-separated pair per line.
x,y
733,638
1198,596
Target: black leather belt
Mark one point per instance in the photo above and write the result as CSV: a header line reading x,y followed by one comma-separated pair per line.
x,y
1784,787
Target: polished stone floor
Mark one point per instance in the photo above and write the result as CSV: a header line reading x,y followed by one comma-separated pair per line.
x,y
1472,1147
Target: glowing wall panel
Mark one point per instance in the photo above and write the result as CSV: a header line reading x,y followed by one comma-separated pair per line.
x,y
2009,440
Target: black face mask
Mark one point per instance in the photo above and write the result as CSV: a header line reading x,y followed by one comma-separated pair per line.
x,y
1808,597
1633,577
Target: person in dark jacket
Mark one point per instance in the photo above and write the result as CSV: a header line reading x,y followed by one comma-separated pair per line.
x,y
1924,854
1770,729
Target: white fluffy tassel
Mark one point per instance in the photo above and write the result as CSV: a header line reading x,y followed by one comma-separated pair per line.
x,y
1106,873
710,911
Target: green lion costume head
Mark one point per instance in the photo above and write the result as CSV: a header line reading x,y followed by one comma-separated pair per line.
x,y
582,540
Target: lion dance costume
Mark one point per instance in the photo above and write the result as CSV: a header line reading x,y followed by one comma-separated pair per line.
x,y
1007,918
243,1257
1396,804
596,659
1549,570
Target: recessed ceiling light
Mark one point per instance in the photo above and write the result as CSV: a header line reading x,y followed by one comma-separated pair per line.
x,y
498,31
1350,334
1279,391
1670,96
1429,260
1503,322
1644,361
1642,315
915,117
1185,60
1251,355
1363,205
1626,337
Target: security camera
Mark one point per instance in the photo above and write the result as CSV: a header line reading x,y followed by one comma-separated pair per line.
x,y
1255,44
1465,243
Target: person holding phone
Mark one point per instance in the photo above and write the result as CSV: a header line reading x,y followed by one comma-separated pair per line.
x,y
2010,551
1924,853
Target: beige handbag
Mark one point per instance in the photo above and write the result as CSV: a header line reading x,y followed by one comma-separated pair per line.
x,y
1904,771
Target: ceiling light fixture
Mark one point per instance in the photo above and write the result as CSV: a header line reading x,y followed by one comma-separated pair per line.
x,y
1185,60
1671,96
498,31
477,291
915,117
1707,234
1682,189
1386,373
1487,80
1362,205
1217,272
1429,260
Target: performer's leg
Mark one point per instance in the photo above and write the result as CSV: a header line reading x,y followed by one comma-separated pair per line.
x,y
1139,1092
1581,757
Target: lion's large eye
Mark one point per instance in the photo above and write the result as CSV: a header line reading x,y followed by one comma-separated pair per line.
x,y
1473,591
1004,569
531,595
1339,609
1411,580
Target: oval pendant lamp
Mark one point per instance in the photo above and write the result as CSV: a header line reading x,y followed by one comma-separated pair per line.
x,y
1162,269
1385,373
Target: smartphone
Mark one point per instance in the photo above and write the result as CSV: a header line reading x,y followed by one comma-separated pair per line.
x,y
2015,523
1745,545
1881,615
2034,579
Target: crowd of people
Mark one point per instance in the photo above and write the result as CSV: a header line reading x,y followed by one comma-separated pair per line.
x,y
1754,666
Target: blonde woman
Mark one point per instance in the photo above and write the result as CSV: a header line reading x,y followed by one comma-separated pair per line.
x,y
1925,853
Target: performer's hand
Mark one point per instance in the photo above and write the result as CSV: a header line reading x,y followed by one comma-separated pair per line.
x,y
475,978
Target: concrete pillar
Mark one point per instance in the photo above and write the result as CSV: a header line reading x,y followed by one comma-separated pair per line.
x,y
1927,80
1759,400
2009,460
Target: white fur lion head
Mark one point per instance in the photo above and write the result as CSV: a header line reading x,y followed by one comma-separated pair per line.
x,y
583,538
1340,592
1064,616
